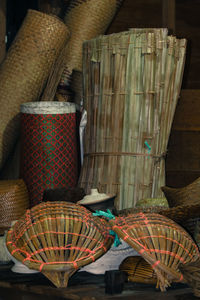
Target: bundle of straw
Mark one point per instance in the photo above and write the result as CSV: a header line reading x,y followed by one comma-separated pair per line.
x,y
131,86
57,238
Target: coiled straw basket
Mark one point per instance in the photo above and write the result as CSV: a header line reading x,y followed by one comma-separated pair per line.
x,y
57,238
14,201
160,241
25,69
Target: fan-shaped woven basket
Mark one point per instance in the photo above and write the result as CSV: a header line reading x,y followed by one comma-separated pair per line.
x,y
57,238
25,70
14,201
138,270
161,242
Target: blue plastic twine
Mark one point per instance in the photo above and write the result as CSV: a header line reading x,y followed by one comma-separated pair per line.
x,y
110,216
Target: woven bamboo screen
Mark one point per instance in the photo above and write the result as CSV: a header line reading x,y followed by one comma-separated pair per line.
x,y
131,85
25,69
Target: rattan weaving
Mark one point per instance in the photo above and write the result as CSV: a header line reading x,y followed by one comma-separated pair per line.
x,y
57,238
25,69
138,270
13,201
85,20
160,241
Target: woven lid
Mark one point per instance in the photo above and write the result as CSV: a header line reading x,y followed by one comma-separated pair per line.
x,y
48,107
95,197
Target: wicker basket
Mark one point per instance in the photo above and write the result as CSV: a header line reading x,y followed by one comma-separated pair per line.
x,y
191,274
85,20
138,270
57,238
49,156
25,69
13,202
160,241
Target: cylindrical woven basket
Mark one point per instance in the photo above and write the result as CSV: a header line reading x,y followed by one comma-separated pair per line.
x,y
85,20
13,202
49,147
25,69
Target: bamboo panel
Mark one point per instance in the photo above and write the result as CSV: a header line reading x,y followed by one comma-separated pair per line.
x,y
131,84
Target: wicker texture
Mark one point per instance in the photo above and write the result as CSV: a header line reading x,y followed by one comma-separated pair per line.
x,y
160,241
191,274
131,85
25,69
85,19
13,201
57,238
49,147
184,202
187,195
138,270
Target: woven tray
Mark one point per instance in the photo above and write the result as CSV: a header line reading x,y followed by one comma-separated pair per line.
x,y
25,69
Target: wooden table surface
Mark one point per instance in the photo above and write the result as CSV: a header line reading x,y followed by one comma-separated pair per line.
x,y
82,286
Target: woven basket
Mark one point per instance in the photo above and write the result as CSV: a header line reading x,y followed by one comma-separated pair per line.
x,y
160,241
187,195
13,201
191,274
138,270
57,238
85,19
25,69
49,147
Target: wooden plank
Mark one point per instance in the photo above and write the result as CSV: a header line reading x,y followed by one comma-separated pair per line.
x,y
187,111
2,29
137,14
168,15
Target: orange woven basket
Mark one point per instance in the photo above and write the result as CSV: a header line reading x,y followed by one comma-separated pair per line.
x,y
160,241
57,238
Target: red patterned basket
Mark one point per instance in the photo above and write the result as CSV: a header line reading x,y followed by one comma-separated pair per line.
x,y
49,147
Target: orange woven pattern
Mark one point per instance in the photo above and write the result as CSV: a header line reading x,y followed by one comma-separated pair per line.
x,y
59,237
162,243
25,69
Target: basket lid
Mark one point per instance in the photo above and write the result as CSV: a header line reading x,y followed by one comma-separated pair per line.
x,y
48,107
95,197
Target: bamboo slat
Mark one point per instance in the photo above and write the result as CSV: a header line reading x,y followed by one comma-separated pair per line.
x,y
131,85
